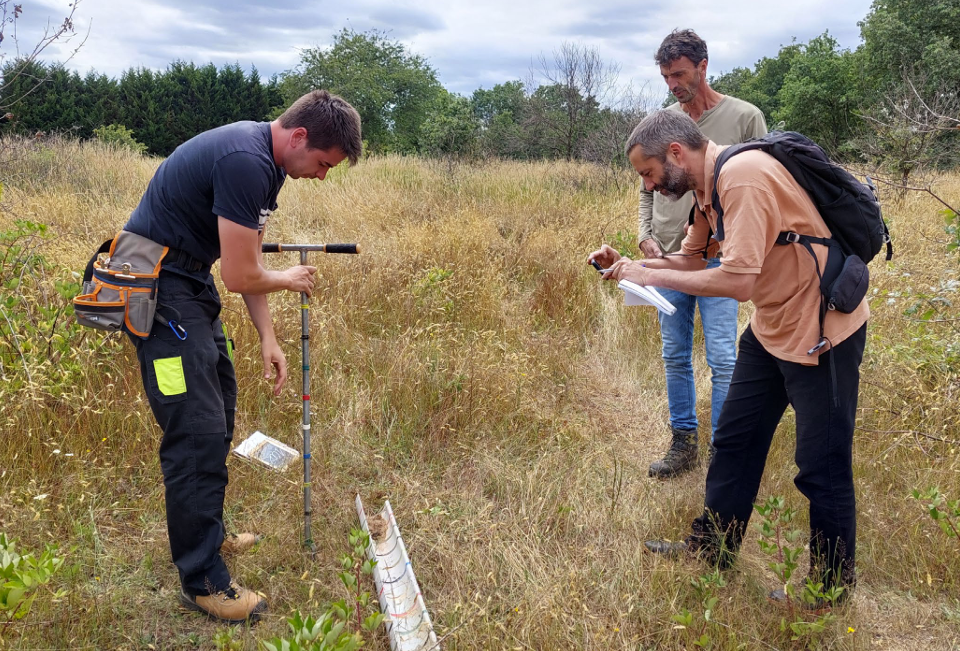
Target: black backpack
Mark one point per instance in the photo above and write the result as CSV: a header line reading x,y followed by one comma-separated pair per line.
x,y
849,208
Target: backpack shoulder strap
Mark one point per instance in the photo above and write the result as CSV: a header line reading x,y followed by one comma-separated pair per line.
x,y
724,156
693,216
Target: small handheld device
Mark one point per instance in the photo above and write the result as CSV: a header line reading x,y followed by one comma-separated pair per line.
x,y
596,265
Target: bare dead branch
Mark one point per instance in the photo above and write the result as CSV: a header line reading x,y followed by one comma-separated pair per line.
x,y
63,32
925,189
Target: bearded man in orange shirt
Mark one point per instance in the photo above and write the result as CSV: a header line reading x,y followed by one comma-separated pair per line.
x,y
782,358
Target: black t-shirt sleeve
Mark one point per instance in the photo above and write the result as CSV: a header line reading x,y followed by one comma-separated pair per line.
x,y
241,188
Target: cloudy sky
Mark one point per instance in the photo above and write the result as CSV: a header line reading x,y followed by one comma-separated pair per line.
x,y
470,43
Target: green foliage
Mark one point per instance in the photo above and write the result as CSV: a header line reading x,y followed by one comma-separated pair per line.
x,y
163,109
120,136
625,242
561,120
699,627
391,88
226,640
20,578
946,513
503,112
785,546
342,627
356,565
815,88
450,128
820,92
433,292
916,34
761,86
35,328
328,633
952,228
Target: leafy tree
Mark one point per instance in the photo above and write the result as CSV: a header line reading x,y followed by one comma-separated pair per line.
x,y
390,88
508,97
502,111
142,111
760,86
739,83
820,92
604,144
769,79
99,101
915,34
57,103
451,128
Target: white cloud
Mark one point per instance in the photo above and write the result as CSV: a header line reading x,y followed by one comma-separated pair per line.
x,y
470,44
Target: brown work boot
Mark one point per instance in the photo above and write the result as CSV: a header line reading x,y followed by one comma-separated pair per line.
x,y
234,605
680,458
237,543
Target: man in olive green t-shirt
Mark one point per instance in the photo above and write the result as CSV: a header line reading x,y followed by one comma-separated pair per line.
x,y
725,120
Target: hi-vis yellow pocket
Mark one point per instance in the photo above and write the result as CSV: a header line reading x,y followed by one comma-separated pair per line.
x,y
229,342
170,378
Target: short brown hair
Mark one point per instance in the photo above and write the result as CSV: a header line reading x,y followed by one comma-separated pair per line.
x,y
681,43
330,122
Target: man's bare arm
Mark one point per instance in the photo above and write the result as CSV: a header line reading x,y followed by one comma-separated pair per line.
x,y
707,282
242,270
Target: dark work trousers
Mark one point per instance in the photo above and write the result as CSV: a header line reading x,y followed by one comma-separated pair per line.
x,y
192,391
760,390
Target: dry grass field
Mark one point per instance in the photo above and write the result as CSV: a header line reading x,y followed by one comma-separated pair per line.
x,y
469,367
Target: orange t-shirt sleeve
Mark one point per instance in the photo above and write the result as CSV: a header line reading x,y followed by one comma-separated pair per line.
x,y
751,224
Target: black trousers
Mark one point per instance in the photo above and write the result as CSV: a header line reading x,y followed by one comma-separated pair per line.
x,y
761,388
192,391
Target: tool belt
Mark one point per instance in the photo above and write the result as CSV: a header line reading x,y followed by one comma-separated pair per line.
x,y
119,289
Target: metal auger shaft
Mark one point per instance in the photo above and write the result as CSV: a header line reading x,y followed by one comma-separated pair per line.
x,y
303,249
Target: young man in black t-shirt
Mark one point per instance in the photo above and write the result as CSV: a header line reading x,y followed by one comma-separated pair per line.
x,y
210,200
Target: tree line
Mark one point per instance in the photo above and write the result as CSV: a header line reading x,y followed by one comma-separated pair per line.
x,y
162,109
892,101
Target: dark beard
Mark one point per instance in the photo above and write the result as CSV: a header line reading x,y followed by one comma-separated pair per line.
x,y
676,182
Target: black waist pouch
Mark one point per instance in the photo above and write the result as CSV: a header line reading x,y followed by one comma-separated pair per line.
x,y
847,290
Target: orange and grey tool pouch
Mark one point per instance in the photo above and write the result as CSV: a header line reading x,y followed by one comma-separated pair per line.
x,y
120,287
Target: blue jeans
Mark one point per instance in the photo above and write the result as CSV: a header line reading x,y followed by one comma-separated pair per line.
x,y
719,319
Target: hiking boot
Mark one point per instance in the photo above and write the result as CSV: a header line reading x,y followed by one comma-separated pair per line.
x,y
237,543
668,548
234,605
680,458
